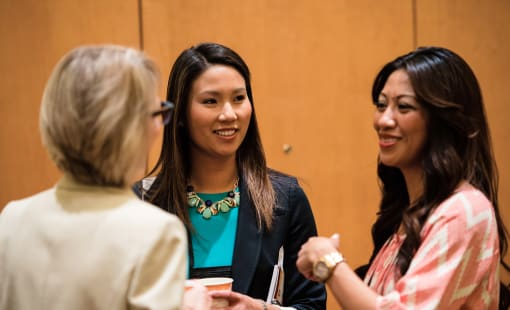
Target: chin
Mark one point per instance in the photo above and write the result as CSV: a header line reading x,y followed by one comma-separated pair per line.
x,y
227,152
388,162
392,164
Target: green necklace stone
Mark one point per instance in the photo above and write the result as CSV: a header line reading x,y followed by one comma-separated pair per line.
x,y
209,208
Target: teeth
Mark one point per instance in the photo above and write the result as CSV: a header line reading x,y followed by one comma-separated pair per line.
x,y
225,132
388,140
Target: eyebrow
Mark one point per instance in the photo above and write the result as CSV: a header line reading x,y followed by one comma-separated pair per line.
x,y
216,93
400,96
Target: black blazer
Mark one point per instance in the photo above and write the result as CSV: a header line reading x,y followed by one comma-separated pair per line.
x,y
256,251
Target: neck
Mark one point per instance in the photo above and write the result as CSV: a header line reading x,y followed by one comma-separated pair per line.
x,y
213,175
414,183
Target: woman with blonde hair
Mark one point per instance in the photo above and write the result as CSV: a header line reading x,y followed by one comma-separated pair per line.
x,y
89,242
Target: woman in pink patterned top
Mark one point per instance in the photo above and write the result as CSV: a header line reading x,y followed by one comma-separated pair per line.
x,y
439,238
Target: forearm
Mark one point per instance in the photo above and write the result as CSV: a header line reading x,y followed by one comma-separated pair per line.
x,y
349,291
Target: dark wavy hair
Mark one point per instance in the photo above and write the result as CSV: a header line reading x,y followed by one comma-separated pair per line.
x,y
458,148
173,164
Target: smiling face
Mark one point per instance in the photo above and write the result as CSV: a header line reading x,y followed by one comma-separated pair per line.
x,y
219,112
401,123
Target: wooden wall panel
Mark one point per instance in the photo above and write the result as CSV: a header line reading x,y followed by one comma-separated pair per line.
x,y
479,32
312,65
35,35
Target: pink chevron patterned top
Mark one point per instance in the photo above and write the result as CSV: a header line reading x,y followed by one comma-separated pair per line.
x,y
456,266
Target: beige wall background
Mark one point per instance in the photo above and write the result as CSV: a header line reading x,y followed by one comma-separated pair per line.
x,y
312,64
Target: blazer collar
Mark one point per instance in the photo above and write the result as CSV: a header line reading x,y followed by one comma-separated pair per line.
x,y
75,196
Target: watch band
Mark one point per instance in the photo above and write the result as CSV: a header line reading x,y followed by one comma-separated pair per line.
x,y
334,258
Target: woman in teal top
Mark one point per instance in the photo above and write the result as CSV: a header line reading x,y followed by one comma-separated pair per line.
x,y
212,174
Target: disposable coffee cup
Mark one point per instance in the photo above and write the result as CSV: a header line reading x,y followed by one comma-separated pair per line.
x,y
215,284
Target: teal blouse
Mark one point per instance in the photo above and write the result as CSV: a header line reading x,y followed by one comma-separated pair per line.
x,y
214,238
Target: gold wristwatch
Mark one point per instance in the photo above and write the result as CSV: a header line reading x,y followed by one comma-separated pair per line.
x,y
323,268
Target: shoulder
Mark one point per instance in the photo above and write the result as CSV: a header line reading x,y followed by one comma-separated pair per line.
x,y
467,213
147,216
287,187
289,194
17,207
466,202
282,180
137,226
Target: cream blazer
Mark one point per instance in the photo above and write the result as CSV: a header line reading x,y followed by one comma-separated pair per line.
x,y
88,247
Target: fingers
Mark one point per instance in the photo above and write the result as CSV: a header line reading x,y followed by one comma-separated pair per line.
x,y
312,250
235,300
335,240
304,263
222,294
319,246
232,296
196,296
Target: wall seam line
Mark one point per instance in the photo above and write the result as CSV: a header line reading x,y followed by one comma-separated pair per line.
x,y
415,24
140,25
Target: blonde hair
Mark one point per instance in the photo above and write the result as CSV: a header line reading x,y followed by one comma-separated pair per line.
x,y
94,112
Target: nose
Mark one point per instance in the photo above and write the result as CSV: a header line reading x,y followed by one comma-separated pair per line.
x,y
227,113
385,119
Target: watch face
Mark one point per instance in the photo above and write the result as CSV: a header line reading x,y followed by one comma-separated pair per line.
x,y
324,266
321,271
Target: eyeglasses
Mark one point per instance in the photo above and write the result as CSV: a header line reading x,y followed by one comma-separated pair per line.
x,y
165,112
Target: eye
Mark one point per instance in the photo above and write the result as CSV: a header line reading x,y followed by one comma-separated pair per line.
x,y
405,107
239,98
380,105
209,101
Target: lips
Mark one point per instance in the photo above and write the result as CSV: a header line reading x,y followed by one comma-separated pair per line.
x,y
387,140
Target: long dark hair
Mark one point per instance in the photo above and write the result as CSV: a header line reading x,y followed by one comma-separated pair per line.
x,y
173,164
458,148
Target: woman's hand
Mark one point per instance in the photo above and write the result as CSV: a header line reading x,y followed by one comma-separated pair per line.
x,y
312,251
196,297
238,301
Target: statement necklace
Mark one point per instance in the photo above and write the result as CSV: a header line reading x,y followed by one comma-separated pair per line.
x,y
208,208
